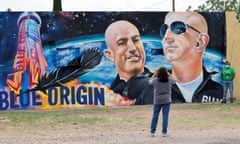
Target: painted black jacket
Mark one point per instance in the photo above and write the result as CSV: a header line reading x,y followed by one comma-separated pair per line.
x,y
208,91
135,88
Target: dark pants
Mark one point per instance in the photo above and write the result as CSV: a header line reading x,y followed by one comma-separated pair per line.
x,y
228,85
165,113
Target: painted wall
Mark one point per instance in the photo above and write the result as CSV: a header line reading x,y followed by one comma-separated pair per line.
x,y
42,56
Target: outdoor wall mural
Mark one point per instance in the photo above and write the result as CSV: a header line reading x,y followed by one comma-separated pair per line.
x,y
54,60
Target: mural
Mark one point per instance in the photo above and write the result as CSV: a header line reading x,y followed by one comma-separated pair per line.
x,y
53,60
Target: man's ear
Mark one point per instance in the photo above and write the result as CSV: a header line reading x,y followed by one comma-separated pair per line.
x,y
109,54
204,39
202,43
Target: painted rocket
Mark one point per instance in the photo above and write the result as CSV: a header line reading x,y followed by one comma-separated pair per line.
x,y
29,62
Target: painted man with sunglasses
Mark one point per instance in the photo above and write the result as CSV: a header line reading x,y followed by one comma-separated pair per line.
x,y
184,38
125,49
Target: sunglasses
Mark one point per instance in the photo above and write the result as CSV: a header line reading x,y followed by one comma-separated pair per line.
x,y
177,28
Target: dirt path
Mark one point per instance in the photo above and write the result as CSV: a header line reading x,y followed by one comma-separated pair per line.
x,y
221,136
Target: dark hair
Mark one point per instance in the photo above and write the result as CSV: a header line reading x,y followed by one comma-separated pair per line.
x,y
162,74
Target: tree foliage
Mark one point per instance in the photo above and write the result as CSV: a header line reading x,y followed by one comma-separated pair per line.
x,y
220,5
57,5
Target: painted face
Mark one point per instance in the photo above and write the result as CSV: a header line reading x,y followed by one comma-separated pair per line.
x,y
180,38
127,48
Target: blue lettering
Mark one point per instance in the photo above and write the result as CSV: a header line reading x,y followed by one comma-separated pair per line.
x,y
3,100
99,95
90,100
83,95
82,99
73,95
64,92
12,101
35,98
52,96
24,99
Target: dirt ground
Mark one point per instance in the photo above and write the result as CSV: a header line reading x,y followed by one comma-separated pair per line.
x,y
224,136
120,133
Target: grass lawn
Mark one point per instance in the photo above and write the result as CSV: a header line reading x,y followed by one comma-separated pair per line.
x,y
182,116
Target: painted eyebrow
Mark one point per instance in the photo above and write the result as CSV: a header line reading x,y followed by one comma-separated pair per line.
x,y
121,40
135,36
125,39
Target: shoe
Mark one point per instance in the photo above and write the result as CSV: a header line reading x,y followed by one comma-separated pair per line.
x,y
152,134
223,102
165,135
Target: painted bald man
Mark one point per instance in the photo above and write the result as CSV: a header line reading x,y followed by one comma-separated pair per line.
x,y
185,38
125,49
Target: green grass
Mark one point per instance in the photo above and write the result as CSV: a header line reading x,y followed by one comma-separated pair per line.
x,y
206,116
182,116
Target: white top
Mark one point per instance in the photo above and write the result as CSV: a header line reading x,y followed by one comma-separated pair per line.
x,y
187,89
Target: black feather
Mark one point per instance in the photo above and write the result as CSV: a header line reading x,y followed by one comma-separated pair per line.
x,y
75,68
